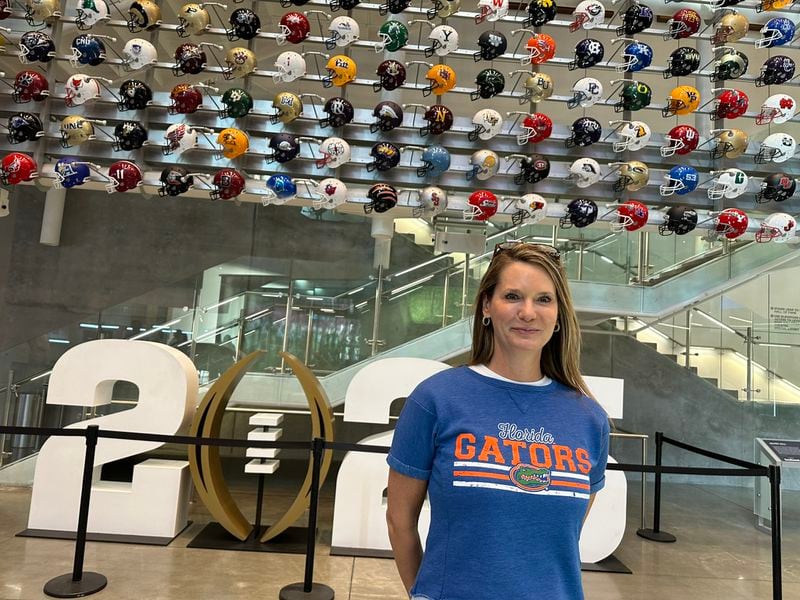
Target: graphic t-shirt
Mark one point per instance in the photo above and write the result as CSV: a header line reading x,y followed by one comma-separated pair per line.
x,y
510,468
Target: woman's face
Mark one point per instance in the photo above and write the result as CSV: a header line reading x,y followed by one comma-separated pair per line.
x,y
524,312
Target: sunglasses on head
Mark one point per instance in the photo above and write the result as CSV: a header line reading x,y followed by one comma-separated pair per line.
x,y
550,251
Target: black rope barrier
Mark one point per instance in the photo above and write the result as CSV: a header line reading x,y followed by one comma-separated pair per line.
x,y
716,456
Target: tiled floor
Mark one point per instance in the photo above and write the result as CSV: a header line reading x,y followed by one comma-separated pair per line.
x,y
719,555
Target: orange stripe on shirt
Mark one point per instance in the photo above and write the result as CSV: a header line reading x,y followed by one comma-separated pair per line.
x,y
480,474
580,486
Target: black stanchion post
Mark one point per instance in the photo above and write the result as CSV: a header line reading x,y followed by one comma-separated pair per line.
x,y
308,590
78,583
775,517
655,534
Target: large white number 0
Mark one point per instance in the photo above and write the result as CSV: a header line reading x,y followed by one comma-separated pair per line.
x,y
155,503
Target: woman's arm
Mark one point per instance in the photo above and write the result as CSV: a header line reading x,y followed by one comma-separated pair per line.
x,y
404,503
588,508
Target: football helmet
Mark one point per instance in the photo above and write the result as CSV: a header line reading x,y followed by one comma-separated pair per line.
x,y
335,152
541,48
90,13
483,164
175,180
635,19
730,183
388,115
341,71
35,46
232,143
680,180
343,32
444,40
87,50
681,140
491,10
329,193
776,147
179,138
731,143
540,12
777,187
287,106
80,89
777,109
123,175
227,184
491,45
392,36
585,92
129,135
535,128
393,6
244,25
776,32
633,176
30,85
289,66
134,95
284,146
631,215
138,54
580,212
391,75
24,127
488,123
432,201
588,53
682,100
731,65
70,172
17,167
634,135
778,228
294,28
441,79
481,205
382,198
683,23
239,62
682,62
584,131
584,172
775,71
490,82
679,220
142,15
189,60
75,130
442,8
730,28
531,208
39,11
538,87
730,104
587,14
532,169
193,19
635,57
435,162
237,103
340,112
772,5
731,222
439,119
280,189
633,96
386,156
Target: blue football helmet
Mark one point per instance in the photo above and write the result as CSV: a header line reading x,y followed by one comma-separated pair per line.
x,y
435,162
87,50
70,171
777,32
635,57
283,186
681,180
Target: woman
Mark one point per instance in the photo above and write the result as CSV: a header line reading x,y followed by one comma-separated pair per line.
x,y
511,449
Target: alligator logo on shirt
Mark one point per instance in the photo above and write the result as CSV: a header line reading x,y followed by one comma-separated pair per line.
x,y
530,478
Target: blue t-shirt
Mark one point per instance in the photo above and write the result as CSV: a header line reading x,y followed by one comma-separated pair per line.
x,y
510,468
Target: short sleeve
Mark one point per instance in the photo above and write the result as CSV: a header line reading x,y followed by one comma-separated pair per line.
x,y
597,476
414,442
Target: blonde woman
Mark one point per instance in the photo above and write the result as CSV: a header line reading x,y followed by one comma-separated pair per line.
x,y
510,449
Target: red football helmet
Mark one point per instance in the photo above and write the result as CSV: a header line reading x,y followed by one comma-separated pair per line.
x,y
535,128
228,183
683,23
730,104
632,216
185,99
124,176
189,60
30,85
17,167
681,140
294,28
482,205
731,222
5,9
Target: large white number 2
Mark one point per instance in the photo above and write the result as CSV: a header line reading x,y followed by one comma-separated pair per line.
x,y
155,503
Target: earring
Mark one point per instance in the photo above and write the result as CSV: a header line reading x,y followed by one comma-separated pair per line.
x,y
486,321
557,327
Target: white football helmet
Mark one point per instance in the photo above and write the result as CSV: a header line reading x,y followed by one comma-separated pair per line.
x,y
343,31
777,109
432,201
531,208
138,54
584,172
90,12
444,40
634,135
491,10
80,89
483,164
179,138
588,14
586,92
776,147
488,123
778,228
730,183
290,65
329,194
335,152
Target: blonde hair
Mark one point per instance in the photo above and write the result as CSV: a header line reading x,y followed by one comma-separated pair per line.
x,y
561,355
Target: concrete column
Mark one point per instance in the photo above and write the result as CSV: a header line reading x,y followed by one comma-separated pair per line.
x,y
382,232
52,217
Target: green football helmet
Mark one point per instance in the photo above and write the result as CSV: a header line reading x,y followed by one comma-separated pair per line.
x,y
236,103
393,36
731,65
634,96
490,83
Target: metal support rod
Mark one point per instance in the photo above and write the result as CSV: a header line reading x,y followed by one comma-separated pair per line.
x,y
580,260
749,375
240,333
644,483
6,414
445,294
259,502
775,509
655,534
287,324
316,449
688,337
309,325
376,317
195,312
644,255
465,286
